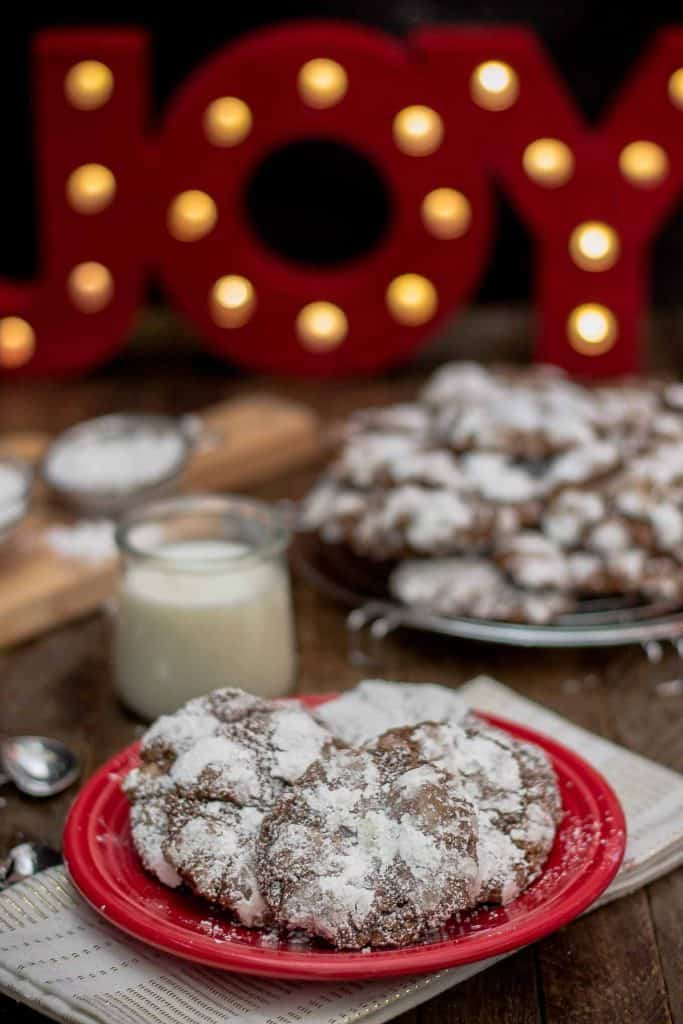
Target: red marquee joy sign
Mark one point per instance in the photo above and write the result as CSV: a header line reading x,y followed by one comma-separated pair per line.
x,y
439,117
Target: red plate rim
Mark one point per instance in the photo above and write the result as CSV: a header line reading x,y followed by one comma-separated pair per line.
x,y
598,866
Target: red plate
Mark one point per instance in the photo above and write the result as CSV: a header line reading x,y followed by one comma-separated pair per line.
x,y
103,864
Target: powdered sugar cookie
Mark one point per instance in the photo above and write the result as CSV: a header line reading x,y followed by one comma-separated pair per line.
x,y
521,423
367,458
512,786
430,468
486,457
212,846
214,766
473,588
673,396
332,510
402,418
610,536
497,478
369,849
377,705
570,514
533,561
413,519
582,465
662,579
457,383
656,523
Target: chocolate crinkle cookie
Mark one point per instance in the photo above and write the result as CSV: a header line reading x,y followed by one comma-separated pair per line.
x,y
362,825
547,490
511,783
207,775
369,848
512,787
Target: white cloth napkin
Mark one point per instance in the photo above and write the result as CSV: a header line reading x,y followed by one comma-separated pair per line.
x,y
58,956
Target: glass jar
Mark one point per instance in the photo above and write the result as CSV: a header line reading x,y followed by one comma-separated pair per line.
x,y
204,602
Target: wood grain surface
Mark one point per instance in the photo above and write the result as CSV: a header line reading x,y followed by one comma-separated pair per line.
x,y
622,963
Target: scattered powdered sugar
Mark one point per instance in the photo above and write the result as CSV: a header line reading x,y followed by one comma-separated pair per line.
x,y
90,541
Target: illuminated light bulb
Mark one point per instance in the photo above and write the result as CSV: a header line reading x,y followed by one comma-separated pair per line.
x,y
446,213
676,88
548,162
227,121
594,245
17,342
88,85
90,188
412,299
592,329
90,286
644,163
418,130
233,301
321,326
494,85
322,83
191,215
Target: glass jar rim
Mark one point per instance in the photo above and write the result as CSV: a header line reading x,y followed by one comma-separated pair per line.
x,y
276,532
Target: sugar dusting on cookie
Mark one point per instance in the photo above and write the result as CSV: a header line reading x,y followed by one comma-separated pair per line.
x,y
486,455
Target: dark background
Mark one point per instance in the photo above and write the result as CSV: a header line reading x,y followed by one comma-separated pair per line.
x,y
594,45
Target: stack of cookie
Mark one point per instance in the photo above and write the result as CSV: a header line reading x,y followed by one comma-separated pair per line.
x,y
513,494
364,827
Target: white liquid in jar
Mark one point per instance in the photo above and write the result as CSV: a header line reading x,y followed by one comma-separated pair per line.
x,y
183,632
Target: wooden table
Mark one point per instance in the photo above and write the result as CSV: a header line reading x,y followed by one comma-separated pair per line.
x,y
622,963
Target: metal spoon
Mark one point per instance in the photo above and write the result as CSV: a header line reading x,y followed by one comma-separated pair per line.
x,y
38,765
26,860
